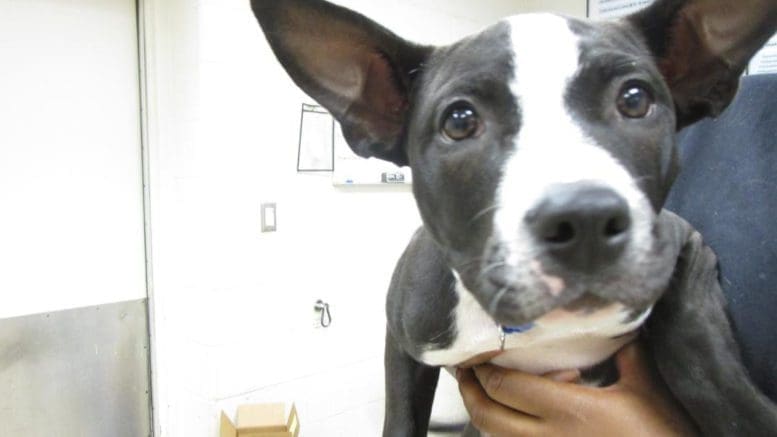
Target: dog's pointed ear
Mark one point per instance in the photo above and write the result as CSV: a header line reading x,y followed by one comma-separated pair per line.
x,y
703,46
361,72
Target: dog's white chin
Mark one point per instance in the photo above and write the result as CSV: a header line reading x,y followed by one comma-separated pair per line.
x,y
563,340
558,340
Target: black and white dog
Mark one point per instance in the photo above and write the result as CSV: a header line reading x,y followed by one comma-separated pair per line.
x,y
542,150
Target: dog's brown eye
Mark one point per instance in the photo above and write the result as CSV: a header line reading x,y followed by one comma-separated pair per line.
x,y
634,101
461,122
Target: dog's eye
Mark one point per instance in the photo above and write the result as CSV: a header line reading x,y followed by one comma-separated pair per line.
x,y
634,101
461,122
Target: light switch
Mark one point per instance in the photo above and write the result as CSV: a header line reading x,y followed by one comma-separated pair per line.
x,y
268,217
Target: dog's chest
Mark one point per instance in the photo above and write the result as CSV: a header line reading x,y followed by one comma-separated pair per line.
x,y
559,340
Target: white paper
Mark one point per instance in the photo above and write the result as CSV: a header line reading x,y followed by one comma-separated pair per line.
x,y
765,61
615,8
351,169
315,143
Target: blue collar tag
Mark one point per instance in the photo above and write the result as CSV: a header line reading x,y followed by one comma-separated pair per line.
x,y
517,329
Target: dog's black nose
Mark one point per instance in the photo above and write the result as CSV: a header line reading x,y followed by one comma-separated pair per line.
x,y
582,227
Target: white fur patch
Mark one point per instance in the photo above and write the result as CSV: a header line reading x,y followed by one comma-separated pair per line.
x,y
551,148
559,340
476,332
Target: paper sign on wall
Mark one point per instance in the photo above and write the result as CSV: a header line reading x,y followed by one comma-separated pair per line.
x,y
765,61
614,8
351,169
315,151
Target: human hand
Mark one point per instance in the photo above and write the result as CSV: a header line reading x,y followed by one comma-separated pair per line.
x,y
505,402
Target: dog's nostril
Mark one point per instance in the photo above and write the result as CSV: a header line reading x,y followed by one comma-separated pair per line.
x,y
561,233
616,226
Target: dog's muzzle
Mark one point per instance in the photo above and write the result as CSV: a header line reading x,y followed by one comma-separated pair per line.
x,y
581,228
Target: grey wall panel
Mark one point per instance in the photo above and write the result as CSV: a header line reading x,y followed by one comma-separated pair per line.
x,y
81,372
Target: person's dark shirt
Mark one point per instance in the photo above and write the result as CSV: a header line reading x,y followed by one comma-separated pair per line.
x,y
727,189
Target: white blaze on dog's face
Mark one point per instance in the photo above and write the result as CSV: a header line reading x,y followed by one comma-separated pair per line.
x,y
553,150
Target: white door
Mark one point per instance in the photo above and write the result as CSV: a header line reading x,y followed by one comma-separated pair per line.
x,y
73,324
71,212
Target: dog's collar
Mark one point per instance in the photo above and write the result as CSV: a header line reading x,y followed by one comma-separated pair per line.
x,y
505,330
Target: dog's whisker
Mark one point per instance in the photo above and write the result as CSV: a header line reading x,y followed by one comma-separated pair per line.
x,y
490,268
483,212
494,304
469,268
439,336
466,265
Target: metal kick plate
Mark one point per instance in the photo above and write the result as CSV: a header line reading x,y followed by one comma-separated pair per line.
x,y
81,373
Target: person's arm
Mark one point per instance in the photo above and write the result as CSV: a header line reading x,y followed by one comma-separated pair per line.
x,y
504,402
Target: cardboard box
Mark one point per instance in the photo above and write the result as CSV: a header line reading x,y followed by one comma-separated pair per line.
x,y
262,420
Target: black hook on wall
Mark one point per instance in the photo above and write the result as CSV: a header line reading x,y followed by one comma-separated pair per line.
x,y
326,316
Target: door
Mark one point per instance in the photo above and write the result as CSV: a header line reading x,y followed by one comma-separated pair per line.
x,y
73,320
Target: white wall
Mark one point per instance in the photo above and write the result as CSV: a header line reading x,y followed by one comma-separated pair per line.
x,y
574,8
233,307
71,212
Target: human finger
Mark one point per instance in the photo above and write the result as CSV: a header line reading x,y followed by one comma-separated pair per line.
x,y
531,394
489,416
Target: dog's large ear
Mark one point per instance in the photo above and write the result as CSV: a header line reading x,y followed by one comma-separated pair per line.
x,y
703,46
361,72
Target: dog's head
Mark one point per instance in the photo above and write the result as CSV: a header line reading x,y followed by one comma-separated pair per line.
x,y
542,148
